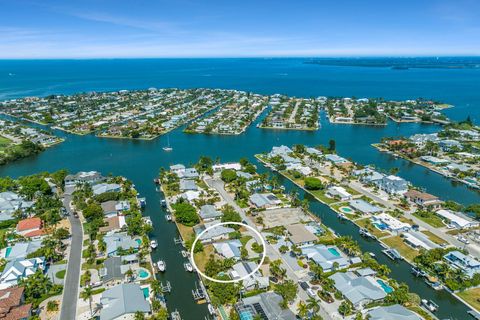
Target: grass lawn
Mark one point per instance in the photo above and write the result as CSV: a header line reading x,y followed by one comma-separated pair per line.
x,y
432,220
433,237
472,296
4,143
320,195
60,274
244,239
396,242
185,231
366,223
351,191
201,258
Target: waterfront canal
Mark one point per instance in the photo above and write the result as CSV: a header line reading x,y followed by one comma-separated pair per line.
x,y
140,161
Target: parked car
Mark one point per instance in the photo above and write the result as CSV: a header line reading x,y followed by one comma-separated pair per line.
x,y
304,285
311,293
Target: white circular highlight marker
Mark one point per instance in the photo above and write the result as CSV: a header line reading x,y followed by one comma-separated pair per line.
x,y
264,253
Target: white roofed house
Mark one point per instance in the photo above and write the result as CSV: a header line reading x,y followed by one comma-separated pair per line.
x,y
213,234
208,212
386,221
264,200
188,173
187,184
177,168
123,301
106,187
339,192
11,202
394,185
358,290
90,177
458,220
328,258
229,249
255,281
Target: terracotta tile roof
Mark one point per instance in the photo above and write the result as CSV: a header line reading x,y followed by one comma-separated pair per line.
x,y
30,223
10,304
34,233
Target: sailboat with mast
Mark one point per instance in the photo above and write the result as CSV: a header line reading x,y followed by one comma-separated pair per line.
x,y
167,147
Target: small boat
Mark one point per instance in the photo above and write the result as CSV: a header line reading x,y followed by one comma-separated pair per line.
x,y
434,283
211,309
341,216
184,253
161,266
167,147
156,181
168,217
163,203
392,254
372,254
176,315
429,305
188,266
153,244
365,233
418,272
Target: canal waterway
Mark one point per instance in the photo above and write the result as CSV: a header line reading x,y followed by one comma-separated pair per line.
x,y
140,160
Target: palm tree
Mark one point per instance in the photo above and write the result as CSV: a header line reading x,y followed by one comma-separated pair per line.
x,y
129,274
302,309
312,304
87,293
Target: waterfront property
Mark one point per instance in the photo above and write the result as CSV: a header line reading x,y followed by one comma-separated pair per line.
x,y
328,258
292,113
265,305
469,265
358,290
123,301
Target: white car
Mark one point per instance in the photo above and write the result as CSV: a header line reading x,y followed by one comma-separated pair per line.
x,y
311,293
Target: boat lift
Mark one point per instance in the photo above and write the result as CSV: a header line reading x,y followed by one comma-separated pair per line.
x,y
166,288
178,240
198,293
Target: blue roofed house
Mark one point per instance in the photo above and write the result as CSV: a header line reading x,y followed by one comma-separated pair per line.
x,y
11,202
336,159
123,301
21,249
326,257
448,145
368,176
229,249
18,269
469,265
106,187
358,290
208,212
119,240
363,206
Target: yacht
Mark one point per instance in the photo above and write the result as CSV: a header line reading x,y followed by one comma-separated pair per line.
x,y
153,244
161,266
430,305
188,266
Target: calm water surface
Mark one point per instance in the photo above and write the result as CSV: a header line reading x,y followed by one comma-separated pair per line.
x,y
141,160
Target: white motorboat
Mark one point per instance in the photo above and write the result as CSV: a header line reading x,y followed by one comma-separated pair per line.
x,y
429,305
153,244
188,266
184,253
161,266
211,309
168,217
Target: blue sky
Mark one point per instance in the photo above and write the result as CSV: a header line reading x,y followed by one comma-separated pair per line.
x,y
244,28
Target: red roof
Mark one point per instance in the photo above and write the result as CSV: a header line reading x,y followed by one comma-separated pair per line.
x,y
28,224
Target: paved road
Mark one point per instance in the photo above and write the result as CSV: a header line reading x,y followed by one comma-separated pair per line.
x,y
72,278
272,253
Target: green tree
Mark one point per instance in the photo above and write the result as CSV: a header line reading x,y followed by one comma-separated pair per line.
x,y
87,294
312,183
228,175
185,213
287,290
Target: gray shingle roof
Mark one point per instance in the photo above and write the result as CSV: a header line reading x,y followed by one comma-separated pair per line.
x,y
123,299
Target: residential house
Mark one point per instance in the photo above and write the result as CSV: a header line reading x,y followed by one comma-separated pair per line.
x,y
114,270
18,269
11,202
186,184
467,264
267,305
392,312
336,159
253,281
12,304
368,176
339,192
299,235
448,145
214,234
363,206
177,168
232,166
393,185
458,220
188,173
423,199
123,301
208,212
90,177
21,249
114,224
106,187
229,249
119,240
30,227
328,258
384,221
358,290
264,200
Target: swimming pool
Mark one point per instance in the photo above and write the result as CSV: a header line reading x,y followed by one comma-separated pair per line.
x,y
7,251
139,241
143,274
334,252
346,209
380,225
385,286
146,292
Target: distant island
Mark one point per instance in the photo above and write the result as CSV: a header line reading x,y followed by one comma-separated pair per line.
x,y
402,63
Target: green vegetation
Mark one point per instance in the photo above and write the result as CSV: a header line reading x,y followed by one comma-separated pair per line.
x,y
312,183
430,218
185,213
